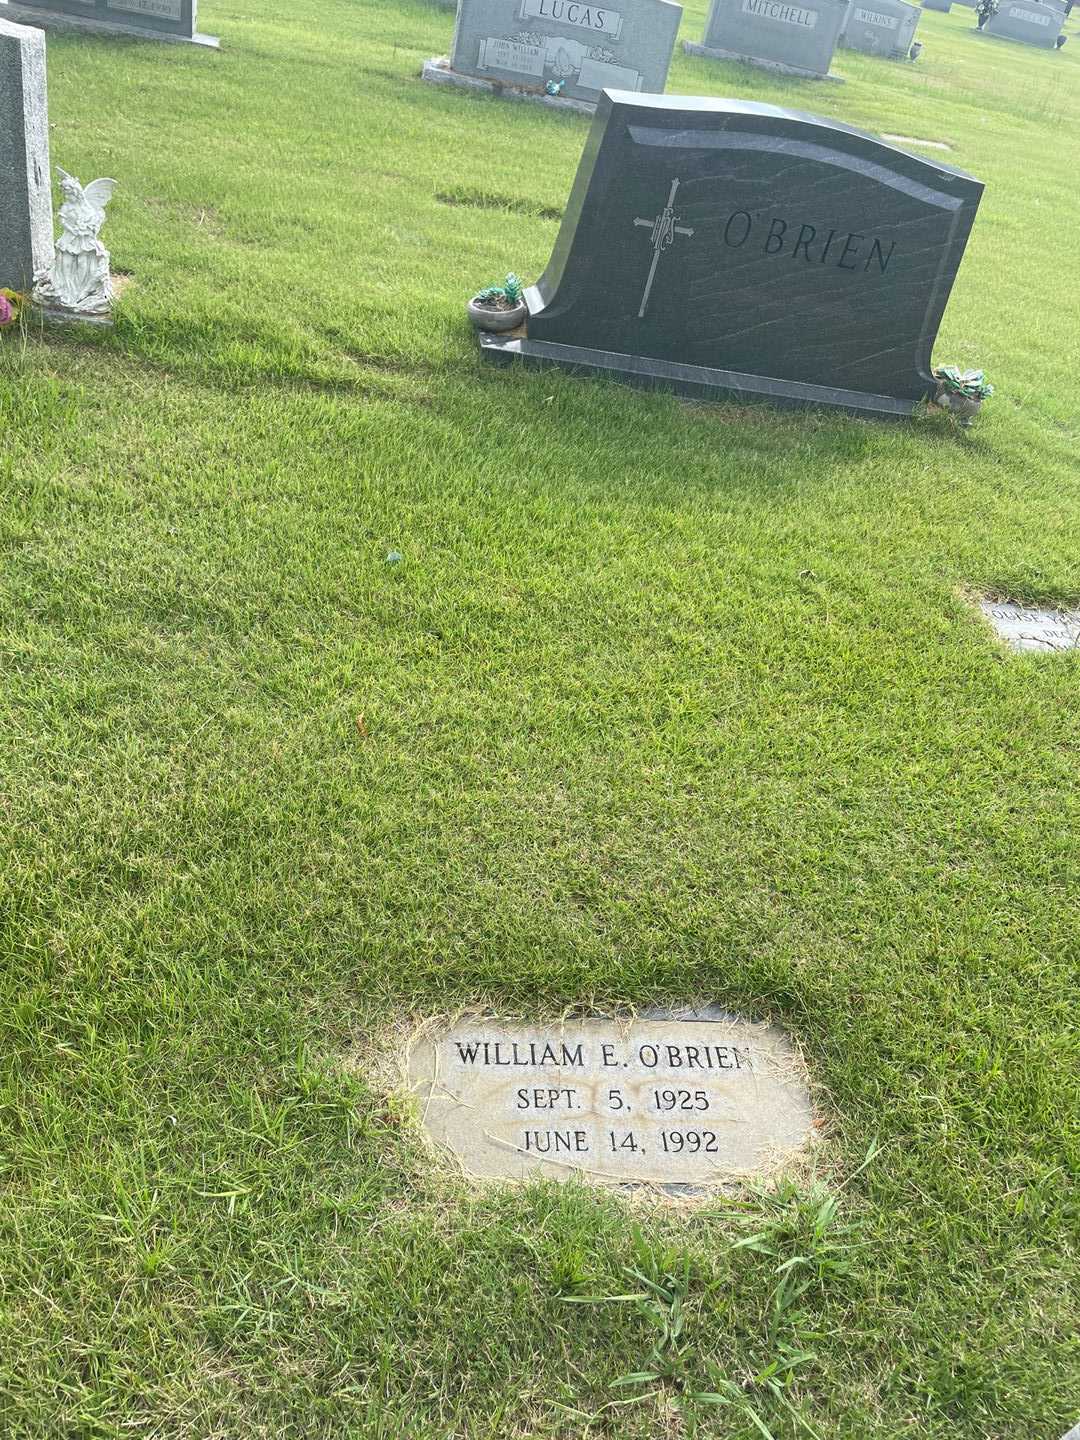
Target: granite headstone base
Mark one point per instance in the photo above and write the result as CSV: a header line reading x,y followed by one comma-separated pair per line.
x,y
709,52
53,20
697,382
437,71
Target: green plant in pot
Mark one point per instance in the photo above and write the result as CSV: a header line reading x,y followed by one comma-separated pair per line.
x,y
961,392
499,307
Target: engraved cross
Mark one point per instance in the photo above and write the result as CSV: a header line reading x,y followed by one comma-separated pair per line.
x,y
664,229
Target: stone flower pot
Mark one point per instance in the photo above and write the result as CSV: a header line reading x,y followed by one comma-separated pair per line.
x,y
491,317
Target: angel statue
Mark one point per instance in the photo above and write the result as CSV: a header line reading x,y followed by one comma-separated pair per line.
x,y
79,277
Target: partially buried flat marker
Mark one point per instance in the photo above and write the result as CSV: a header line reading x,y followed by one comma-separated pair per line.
x,y
1025,627
692,1099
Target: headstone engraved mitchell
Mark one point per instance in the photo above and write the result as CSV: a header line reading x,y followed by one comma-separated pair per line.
x,y
795,37
147,19
26,233
1029,21
523,46
881,27
725,248
688,1100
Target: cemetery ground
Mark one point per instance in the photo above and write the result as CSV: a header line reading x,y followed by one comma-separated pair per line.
x,y
661,702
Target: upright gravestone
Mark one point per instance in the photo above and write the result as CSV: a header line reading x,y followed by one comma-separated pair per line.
x,y
881,27
148,19
1029,21
722,247
576,49
26,228
797,38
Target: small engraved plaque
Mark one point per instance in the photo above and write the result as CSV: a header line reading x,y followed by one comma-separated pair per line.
x,y
1024,627
688,1100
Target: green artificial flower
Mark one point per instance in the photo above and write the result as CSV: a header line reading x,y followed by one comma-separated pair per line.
x,y
972,383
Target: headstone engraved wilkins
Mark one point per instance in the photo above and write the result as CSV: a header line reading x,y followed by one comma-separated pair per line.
x,y
881,27
796,37
26,232
1026,627
526,45
719,247
148,19
688,1100
1029,21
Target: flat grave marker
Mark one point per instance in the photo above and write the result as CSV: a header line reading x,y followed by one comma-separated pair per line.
x,y
794,37
26,225
1031,627
147,19
519,47
727,248
694,1099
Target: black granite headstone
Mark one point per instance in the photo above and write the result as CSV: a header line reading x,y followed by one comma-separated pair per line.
x,y
721,247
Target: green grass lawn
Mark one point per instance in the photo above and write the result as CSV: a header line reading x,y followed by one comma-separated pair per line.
x,y
662,703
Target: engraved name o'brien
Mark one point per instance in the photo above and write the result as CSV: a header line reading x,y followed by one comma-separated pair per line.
x,y
535,1054
845,251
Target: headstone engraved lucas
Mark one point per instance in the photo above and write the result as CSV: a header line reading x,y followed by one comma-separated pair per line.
x,y
719,247
796,37
688,1100
26,231
576,48
148,19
